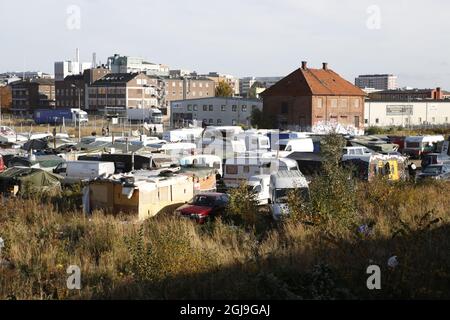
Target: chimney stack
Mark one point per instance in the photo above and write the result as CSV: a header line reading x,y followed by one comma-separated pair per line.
x,y
304,65
325,65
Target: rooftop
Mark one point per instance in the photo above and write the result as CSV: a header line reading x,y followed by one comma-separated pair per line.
x,y
306,82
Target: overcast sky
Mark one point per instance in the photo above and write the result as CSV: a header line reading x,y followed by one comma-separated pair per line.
x,y
239,37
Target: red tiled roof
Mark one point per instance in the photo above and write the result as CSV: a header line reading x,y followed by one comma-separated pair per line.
x,y
307,82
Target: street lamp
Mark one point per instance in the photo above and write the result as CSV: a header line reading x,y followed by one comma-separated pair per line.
x,y
79,111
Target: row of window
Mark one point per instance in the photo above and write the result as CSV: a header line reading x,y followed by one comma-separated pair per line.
x,y
68,92
193,93
406,120
194,84
223,108
100,90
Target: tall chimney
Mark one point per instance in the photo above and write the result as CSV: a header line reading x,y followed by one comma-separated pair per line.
x,y
304,65
325,65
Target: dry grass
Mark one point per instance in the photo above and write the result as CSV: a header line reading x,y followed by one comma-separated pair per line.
x,y
166,257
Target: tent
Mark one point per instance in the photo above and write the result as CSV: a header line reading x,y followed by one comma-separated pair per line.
x,y
28,180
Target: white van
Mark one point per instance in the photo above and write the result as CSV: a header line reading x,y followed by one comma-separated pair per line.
x,y
260,185
281,183
296,145
238,170
80,171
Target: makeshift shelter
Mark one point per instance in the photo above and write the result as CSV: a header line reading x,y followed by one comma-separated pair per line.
x,y
140,197
25,181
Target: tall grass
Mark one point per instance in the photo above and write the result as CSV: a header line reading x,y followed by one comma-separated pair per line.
x,y
169,258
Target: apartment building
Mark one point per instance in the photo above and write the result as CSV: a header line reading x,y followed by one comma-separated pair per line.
x,y
245,84
72,90
28,95
218,111
120,91
229,79
307,98
377,81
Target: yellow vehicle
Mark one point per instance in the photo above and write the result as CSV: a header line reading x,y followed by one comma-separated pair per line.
x,y
390,166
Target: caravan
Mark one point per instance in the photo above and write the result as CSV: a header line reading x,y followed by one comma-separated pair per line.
x,y
238,170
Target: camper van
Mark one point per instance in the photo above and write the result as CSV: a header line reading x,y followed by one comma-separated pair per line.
x,y
183,135
79,171
238,170
416,146
281,183
260,185
225,148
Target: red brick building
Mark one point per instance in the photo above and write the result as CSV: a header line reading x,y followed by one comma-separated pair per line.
x,y
309,97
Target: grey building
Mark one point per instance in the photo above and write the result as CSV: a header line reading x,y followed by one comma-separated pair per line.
x,y
216,111
377,81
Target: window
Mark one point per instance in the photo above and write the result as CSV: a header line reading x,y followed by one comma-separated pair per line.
x,y
211,121
232,169
244,108
377,120
233,122
234,108
211,107
284,107
343,103
246,169
319,102
433,119
195,107
223,108
219,121
189,107
356,103
333,103
205,107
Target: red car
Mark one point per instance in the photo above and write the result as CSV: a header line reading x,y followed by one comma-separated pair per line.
x,y
2,164
204,206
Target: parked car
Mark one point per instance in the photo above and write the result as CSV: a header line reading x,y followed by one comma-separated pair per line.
x,y
2,164
436,172
204,206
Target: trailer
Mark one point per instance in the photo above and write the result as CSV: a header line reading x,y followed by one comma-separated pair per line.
x,y
59,116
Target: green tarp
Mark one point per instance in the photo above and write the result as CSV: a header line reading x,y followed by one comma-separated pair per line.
x,y
29,180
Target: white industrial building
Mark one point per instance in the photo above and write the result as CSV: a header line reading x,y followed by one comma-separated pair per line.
x,y
126,64
216,111
415,113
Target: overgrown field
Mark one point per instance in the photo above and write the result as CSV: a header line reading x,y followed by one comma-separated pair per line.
x,y
170,258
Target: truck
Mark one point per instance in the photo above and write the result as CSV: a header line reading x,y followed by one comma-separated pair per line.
x,y
60,116
148,115
281,183
81,171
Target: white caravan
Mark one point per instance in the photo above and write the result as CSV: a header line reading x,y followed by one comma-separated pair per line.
x,y
203,161
281,183
183,135
80,171
238,170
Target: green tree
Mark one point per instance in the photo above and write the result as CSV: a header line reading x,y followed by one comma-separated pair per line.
x,y
223,89
260,120
243,205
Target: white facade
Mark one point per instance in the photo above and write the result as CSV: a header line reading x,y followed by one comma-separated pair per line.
x,y
377,81
69,68
125,64
215,111
246,83
388,114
